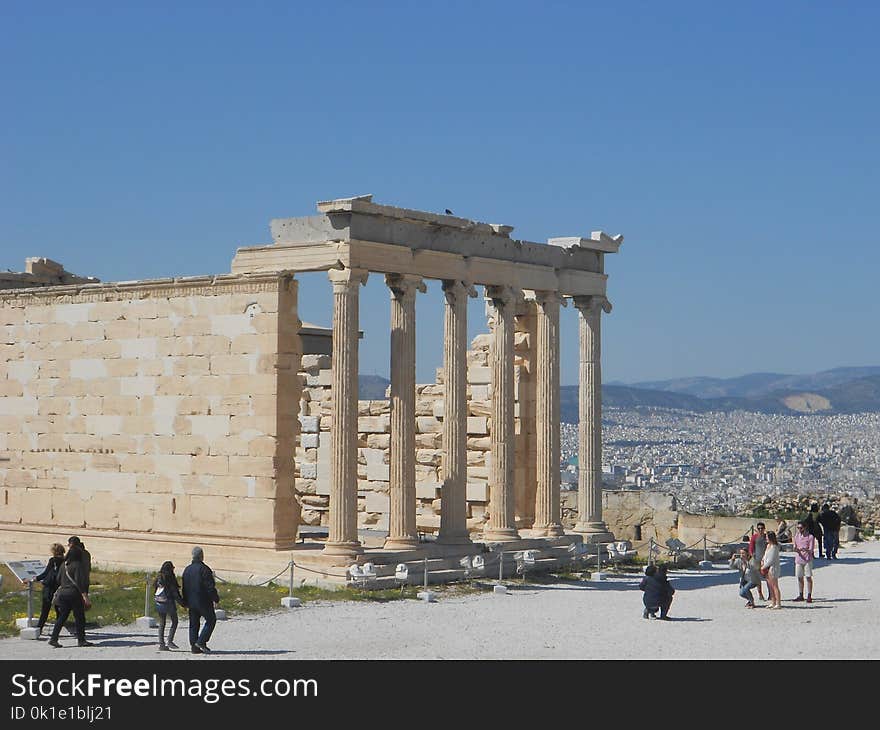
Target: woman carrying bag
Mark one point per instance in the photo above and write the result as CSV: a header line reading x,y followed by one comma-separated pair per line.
x,y
72,595
167,596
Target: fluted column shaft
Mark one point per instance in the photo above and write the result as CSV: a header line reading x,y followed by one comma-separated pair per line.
x,y
548,517
343,537
502,516
590,416
453,492
402,532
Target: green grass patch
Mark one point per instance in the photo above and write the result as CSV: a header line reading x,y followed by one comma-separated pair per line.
x,y
118,597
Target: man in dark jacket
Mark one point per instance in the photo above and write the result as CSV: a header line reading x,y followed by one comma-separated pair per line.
x,y
830,521
73,595
814,527
200,595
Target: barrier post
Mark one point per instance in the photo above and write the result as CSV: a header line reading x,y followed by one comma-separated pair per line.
x,y
289,601
705,550
146,621
426,595
28,631
30,615
500,589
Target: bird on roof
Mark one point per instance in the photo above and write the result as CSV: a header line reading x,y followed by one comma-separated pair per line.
x,y
449,212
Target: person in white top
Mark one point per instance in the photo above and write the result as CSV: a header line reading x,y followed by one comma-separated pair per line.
x,y
770,568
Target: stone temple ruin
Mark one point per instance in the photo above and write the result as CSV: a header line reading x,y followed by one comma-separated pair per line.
x,y
148,416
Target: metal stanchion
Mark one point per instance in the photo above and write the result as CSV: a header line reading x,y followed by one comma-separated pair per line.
x,y
500,589
426,595
30,614
29,631
705,563
146,621
289,601
598,575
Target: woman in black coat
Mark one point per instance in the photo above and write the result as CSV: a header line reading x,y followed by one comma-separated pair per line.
x,y
50,580
72,595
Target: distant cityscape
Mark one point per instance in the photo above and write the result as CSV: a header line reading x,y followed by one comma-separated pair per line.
x,y
720,462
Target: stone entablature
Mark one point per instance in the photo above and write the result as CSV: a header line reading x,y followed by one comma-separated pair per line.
x,y
40,271
164,409
356,233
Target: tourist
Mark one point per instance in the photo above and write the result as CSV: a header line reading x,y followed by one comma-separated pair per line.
x,y
72,595
167,596
749,575
782,533
770,570
814,527
200,596
757,546
667,592
830,521
803,561
50,580
653,592
86,555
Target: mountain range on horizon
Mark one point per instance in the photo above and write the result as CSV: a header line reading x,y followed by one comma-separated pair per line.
x,y
840,390
755,385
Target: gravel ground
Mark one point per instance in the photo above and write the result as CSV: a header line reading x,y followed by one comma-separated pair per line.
x,y
590,620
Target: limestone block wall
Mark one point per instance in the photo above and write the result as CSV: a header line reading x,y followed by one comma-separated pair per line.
x,y
374,437
162,410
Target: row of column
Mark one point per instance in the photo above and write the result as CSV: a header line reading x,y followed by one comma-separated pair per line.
x,y
403,534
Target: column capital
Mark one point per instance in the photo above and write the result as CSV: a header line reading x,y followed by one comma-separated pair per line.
x,y
592,304
342,277
546,297
404,285
455,287
499,296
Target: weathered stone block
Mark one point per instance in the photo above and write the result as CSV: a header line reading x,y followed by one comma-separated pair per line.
x,y
374,424
427,489
428,424
377,502
308,470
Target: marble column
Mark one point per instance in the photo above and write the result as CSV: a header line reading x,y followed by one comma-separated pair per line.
x,y
453,492
548,517
502,517
402,532
343,538
590,522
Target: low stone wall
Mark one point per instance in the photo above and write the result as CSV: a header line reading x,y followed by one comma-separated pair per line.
x,y
716,528
640,515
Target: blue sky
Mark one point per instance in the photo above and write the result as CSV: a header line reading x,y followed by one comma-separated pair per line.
x,y
735,147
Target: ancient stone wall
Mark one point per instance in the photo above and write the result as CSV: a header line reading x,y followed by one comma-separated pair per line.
x,y
374,427
161,411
